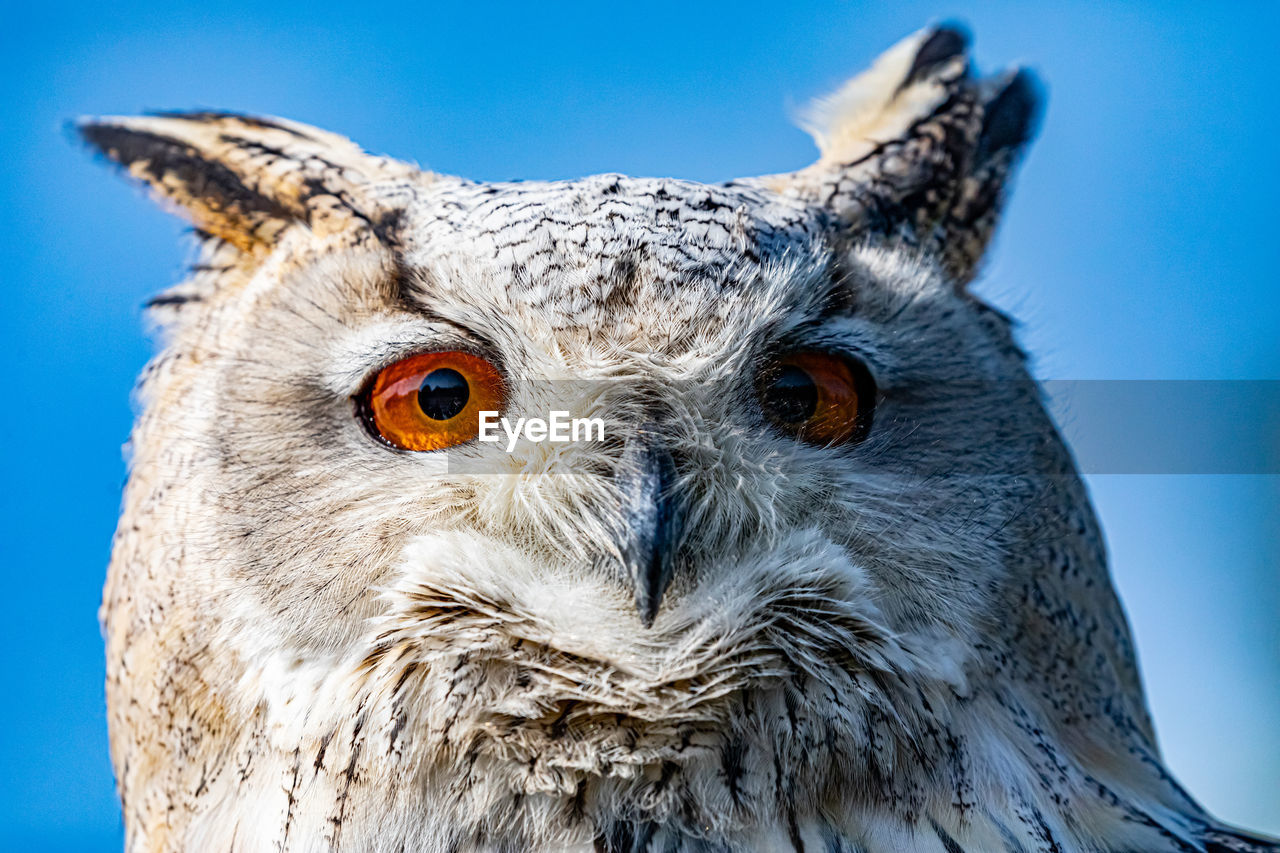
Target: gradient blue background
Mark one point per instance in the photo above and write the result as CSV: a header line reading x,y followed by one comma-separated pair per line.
x,y
1141,243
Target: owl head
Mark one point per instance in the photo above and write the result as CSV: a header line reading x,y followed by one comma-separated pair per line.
x,y
826,563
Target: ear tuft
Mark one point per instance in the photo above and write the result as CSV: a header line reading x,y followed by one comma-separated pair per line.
x,y
1010,108
905,83
1011,116
919,150
943,44
244,179
212,195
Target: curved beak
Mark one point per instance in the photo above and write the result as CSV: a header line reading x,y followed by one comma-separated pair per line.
x,y
651,519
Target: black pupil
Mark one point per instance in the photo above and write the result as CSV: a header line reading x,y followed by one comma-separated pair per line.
x,y
443,394
792,396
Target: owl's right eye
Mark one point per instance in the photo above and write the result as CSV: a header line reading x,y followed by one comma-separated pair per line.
x,y
432,400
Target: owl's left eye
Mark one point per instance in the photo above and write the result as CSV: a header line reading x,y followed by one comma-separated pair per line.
x,y
432,400
820,398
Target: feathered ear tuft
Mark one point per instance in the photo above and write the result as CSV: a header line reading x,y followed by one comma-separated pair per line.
x,y
907,82
241,178
918,149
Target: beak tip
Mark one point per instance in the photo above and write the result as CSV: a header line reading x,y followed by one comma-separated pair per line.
x,y
647,611
650,586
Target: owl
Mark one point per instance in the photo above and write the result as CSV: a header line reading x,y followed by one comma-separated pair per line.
x,y
824,578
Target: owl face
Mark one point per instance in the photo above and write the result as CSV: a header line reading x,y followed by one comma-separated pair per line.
x,y
827,523
666,308
630,312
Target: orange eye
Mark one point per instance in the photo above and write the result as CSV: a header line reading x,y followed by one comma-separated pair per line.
x,y
433,400
818,397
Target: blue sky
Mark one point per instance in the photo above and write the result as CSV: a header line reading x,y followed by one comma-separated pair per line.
x,y
1140,244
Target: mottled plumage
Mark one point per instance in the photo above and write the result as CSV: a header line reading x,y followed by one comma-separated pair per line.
x,y
316,642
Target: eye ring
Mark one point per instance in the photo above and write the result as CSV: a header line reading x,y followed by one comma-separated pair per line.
x,y
430,401
821,398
